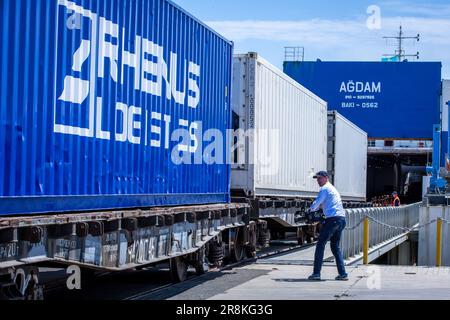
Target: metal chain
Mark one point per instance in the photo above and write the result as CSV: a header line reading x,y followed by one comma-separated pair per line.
x,y
426,224
355,226
406,229
387,225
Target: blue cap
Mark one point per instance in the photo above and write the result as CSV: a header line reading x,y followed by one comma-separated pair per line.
x,y
321,174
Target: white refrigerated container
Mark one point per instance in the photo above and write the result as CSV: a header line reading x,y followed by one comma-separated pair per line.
x,y
289,143
347,157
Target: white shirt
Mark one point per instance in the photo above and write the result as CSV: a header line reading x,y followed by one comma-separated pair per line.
x,y
330,200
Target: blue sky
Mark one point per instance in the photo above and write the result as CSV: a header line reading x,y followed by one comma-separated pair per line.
x,y
331,31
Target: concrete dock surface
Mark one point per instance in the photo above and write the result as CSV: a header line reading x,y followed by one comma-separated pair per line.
x,y
289,282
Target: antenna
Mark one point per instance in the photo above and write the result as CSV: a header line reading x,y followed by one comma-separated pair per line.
x,y
400,52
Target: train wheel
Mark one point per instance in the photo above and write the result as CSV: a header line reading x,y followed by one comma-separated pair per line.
x,y
250,248
178,269
200,261
237,250
311,233
24,285
300,236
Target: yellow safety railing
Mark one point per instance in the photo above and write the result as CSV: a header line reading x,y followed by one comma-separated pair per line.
x,y
438,242
366,241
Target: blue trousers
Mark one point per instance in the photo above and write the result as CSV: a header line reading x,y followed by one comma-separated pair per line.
x,y
331,231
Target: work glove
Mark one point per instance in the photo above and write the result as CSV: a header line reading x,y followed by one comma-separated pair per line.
x,y
316,216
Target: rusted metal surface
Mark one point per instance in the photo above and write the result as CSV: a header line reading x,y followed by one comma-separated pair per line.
x,y
115,240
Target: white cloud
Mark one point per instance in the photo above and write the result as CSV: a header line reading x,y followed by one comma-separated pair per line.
x,y
307,31
332,32
344,39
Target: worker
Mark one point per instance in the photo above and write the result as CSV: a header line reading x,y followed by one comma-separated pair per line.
x,y
331,203
396,201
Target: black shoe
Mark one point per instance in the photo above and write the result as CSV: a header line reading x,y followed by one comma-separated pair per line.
x,y
342,277
314,277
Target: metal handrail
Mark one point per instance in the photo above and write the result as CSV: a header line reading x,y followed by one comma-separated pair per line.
x,y
386,223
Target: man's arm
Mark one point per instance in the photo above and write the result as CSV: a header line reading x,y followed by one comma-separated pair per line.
x,y
319,200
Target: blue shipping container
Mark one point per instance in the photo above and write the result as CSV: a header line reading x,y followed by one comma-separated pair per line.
x,y
104,104
386,99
